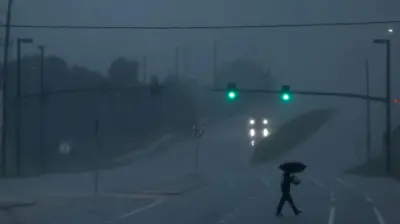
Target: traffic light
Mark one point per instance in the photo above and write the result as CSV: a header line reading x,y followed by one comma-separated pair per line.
x,y
232,91
286,95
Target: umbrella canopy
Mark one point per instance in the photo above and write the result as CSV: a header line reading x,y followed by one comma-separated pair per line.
x,y
292,167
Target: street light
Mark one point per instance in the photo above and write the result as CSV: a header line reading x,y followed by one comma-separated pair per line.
x,y
43,110
20,41
386,42
41,49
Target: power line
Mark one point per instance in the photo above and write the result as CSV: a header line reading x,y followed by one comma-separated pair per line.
x,y
332,24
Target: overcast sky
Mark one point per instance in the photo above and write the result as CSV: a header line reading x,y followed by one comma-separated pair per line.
x,y
317,58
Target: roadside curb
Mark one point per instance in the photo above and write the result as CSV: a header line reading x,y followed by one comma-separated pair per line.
x,y
4,205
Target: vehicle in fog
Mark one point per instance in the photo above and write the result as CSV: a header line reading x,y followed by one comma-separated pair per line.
x,y
257,130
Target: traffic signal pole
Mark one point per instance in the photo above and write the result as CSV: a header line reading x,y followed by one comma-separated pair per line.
x,y
368,113
388,112
311,93
388,147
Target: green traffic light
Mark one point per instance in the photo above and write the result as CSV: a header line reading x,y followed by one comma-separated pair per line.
x,y
232,95
285,97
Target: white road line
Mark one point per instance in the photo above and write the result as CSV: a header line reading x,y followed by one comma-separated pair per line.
x,y
333,196
265,182
368,198
342,182
136,211
379,216
331,219
318,183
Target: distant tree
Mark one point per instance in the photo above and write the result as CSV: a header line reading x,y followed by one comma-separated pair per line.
x,y
154,86
170,79
56,71
124,72
181,81
83,77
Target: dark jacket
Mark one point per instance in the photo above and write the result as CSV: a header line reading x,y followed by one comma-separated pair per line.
x,y
286,182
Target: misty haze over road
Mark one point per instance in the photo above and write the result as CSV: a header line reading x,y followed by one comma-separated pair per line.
x,y
102,128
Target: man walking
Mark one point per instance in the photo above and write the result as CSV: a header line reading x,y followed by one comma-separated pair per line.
x,y
287,180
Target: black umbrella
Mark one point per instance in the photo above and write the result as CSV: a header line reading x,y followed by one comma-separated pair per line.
x,y
292,167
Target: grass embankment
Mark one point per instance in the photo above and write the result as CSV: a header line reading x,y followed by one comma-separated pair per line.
x,y
290,135
376,167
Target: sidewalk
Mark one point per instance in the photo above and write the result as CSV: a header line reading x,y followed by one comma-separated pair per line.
x,y
140,174
66,210
76,184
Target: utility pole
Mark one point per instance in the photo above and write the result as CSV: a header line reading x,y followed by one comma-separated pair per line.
x,y
177,62
5,91
145,70
388,112
18,117
215,64
18,111
185,61
97,158
43,150
368,117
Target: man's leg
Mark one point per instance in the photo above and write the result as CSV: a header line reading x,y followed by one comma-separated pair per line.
x,y
294,208
280,204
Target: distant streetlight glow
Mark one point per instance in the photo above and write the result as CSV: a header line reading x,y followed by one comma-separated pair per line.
x,y
390,30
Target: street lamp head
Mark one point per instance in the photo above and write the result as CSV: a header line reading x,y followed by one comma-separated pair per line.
x,y
390,30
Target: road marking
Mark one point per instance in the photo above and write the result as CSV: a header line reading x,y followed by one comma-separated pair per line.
x,y
331,219
136,211
333,196
265,182
368,198
149,148
379,216
342,182
319,183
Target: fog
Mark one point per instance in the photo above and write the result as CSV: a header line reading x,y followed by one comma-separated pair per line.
x,y
306,58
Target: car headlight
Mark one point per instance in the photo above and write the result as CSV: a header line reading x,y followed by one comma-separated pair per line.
x,y
252,133
265,132
265,121
252,121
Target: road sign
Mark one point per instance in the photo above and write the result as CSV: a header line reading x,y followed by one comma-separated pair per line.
x,y
198,131
64,147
